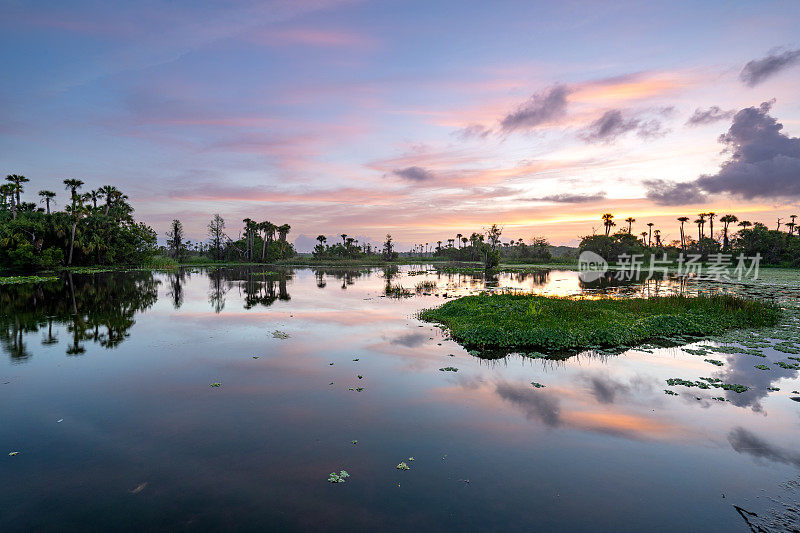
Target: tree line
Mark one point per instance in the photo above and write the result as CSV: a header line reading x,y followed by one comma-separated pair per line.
x,y
95,227
734,236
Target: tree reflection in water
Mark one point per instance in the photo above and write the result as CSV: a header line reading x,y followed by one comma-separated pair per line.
x,y
93,307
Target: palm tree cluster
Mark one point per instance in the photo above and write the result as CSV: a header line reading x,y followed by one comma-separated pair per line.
x,y
775,245
95,227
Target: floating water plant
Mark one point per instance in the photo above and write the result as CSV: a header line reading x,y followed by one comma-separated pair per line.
x,y
537,385
707,383
341,477
280,334
448,369
669,392
15,280
505,321
12,454
762,367
714,362
216,384
353,442
403,466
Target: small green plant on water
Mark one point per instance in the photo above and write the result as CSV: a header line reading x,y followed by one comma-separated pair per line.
x,y
448,369
216,384
341,477
537,385
403,466
762,367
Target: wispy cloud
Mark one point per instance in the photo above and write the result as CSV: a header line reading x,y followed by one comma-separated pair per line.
x,y
759,70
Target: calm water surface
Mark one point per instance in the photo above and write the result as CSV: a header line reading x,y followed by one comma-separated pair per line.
x,y
105,393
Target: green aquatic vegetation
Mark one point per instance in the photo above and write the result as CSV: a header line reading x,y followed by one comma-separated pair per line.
x,y
693,351
425,286
762,367
216,384
396,291
503,320
15,280
537,385
788,366
793,358
670,393
341,477
448,369
356,359
786,348
277,334
411,459
12,454
403,466
714,362
268,273
773,389
706,383
353,442
255,357
719,398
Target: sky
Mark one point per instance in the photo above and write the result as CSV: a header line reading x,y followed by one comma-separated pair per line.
x,y
416,118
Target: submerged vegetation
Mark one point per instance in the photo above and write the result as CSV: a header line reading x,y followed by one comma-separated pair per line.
x,y
559,324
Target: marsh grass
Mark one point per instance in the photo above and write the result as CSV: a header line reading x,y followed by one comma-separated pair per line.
x,y
425,286
551,324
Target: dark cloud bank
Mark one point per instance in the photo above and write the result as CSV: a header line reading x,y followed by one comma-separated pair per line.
x,y
547,106
415,174
763,162
614,123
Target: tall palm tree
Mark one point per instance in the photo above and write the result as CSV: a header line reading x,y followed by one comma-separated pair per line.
x,y
711,216
608,222
630,221
650,236
794,224
699,223
644,237
18,181
458,239
46,197
464,242
744,224
7,195
77,211
73,185
726,220
683,220
94,194
657,233
702,218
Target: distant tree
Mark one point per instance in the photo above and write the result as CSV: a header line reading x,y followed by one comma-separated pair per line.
x,y
683,220
650,236
630,221
388,249
73,185
727,220
47,196
608,222
711,216
216,236
175,239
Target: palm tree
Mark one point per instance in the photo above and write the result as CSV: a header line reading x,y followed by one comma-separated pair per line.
x,y
73,185
650,237
744,224
630,221
94,194
794,225
46,197
608,222
726,220
458,239
322,239
77,211
699,223
18,181
711,216
464,242
450,242
644,237
779,225
111,194
683,220
7,194
283,231
657,233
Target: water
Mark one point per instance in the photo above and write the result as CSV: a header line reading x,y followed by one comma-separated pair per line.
x,y
105,393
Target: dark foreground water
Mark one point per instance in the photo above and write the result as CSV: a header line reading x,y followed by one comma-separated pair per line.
x,y
105,392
